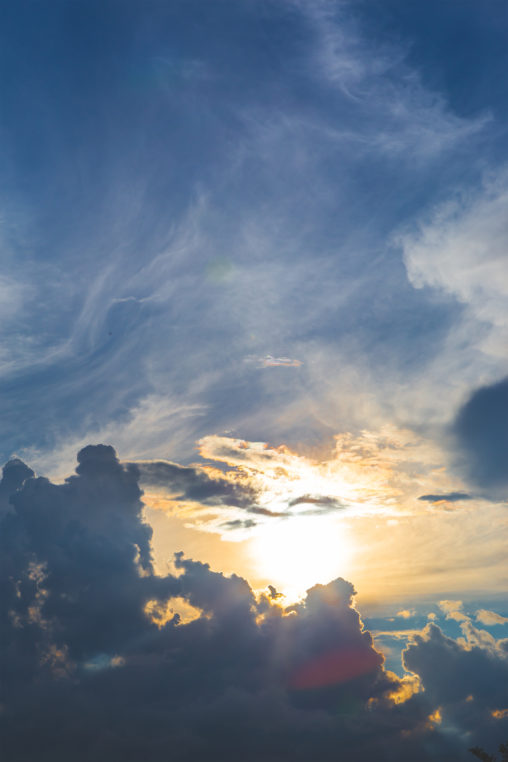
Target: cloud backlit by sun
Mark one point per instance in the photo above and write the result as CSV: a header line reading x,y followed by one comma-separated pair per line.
x,y
301,519
378,472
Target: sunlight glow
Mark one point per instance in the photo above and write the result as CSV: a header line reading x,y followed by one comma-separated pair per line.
x,y
366,473
299,553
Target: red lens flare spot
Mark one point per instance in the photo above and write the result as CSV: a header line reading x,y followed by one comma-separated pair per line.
x,y
335,667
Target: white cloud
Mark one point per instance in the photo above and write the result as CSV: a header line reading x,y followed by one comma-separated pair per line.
x,y
462,249
156,425
406,613
376,78
453,610
490,617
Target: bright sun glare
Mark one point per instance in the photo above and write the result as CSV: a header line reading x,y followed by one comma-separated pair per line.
x,y
295,554
301,533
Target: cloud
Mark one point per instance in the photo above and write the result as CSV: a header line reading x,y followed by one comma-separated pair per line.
x,y
14,474
406,613
448,497
274,362
286,158
490,617
461,250
466,678
481,431
97,661
376,76
191,483
156,422
453,610
239,524
321,503
370,472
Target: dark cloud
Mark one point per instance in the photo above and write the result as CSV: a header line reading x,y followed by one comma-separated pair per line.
x,y
467,679
192,483
239,524
267,512
88,674
195,484
481,429
322,503
449,497
14,474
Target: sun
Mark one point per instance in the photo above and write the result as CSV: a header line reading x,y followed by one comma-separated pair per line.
x,y
307,510
298,552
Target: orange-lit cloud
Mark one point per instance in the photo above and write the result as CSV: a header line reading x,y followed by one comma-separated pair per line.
x,y
355,511
490,617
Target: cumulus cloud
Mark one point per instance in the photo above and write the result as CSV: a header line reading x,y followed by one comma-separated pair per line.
x,y
453,610
465,678
15,473
97,662
490,617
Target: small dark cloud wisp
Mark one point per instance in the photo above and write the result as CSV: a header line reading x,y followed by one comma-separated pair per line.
x,y
321,503
449,497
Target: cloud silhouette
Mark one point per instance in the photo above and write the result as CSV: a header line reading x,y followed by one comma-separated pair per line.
x,y
449,497
89,673
465,678
481,429
193,483
15,472
321,503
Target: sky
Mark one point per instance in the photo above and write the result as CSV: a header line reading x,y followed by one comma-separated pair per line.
x,y
253,380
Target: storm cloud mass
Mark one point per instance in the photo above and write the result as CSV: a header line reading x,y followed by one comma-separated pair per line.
x,y
96,665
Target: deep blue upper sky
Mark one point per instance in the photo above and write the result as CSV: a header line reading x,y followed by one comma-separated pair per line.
x,y
190,187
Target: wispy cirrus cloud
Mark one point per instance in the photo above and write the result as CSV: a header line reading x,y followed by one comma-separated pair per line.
x,y
268,361
273,242
375,78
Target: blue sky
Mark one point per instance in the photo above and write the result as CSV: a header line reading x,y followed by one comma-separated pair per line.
x,y
259,248
196,184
